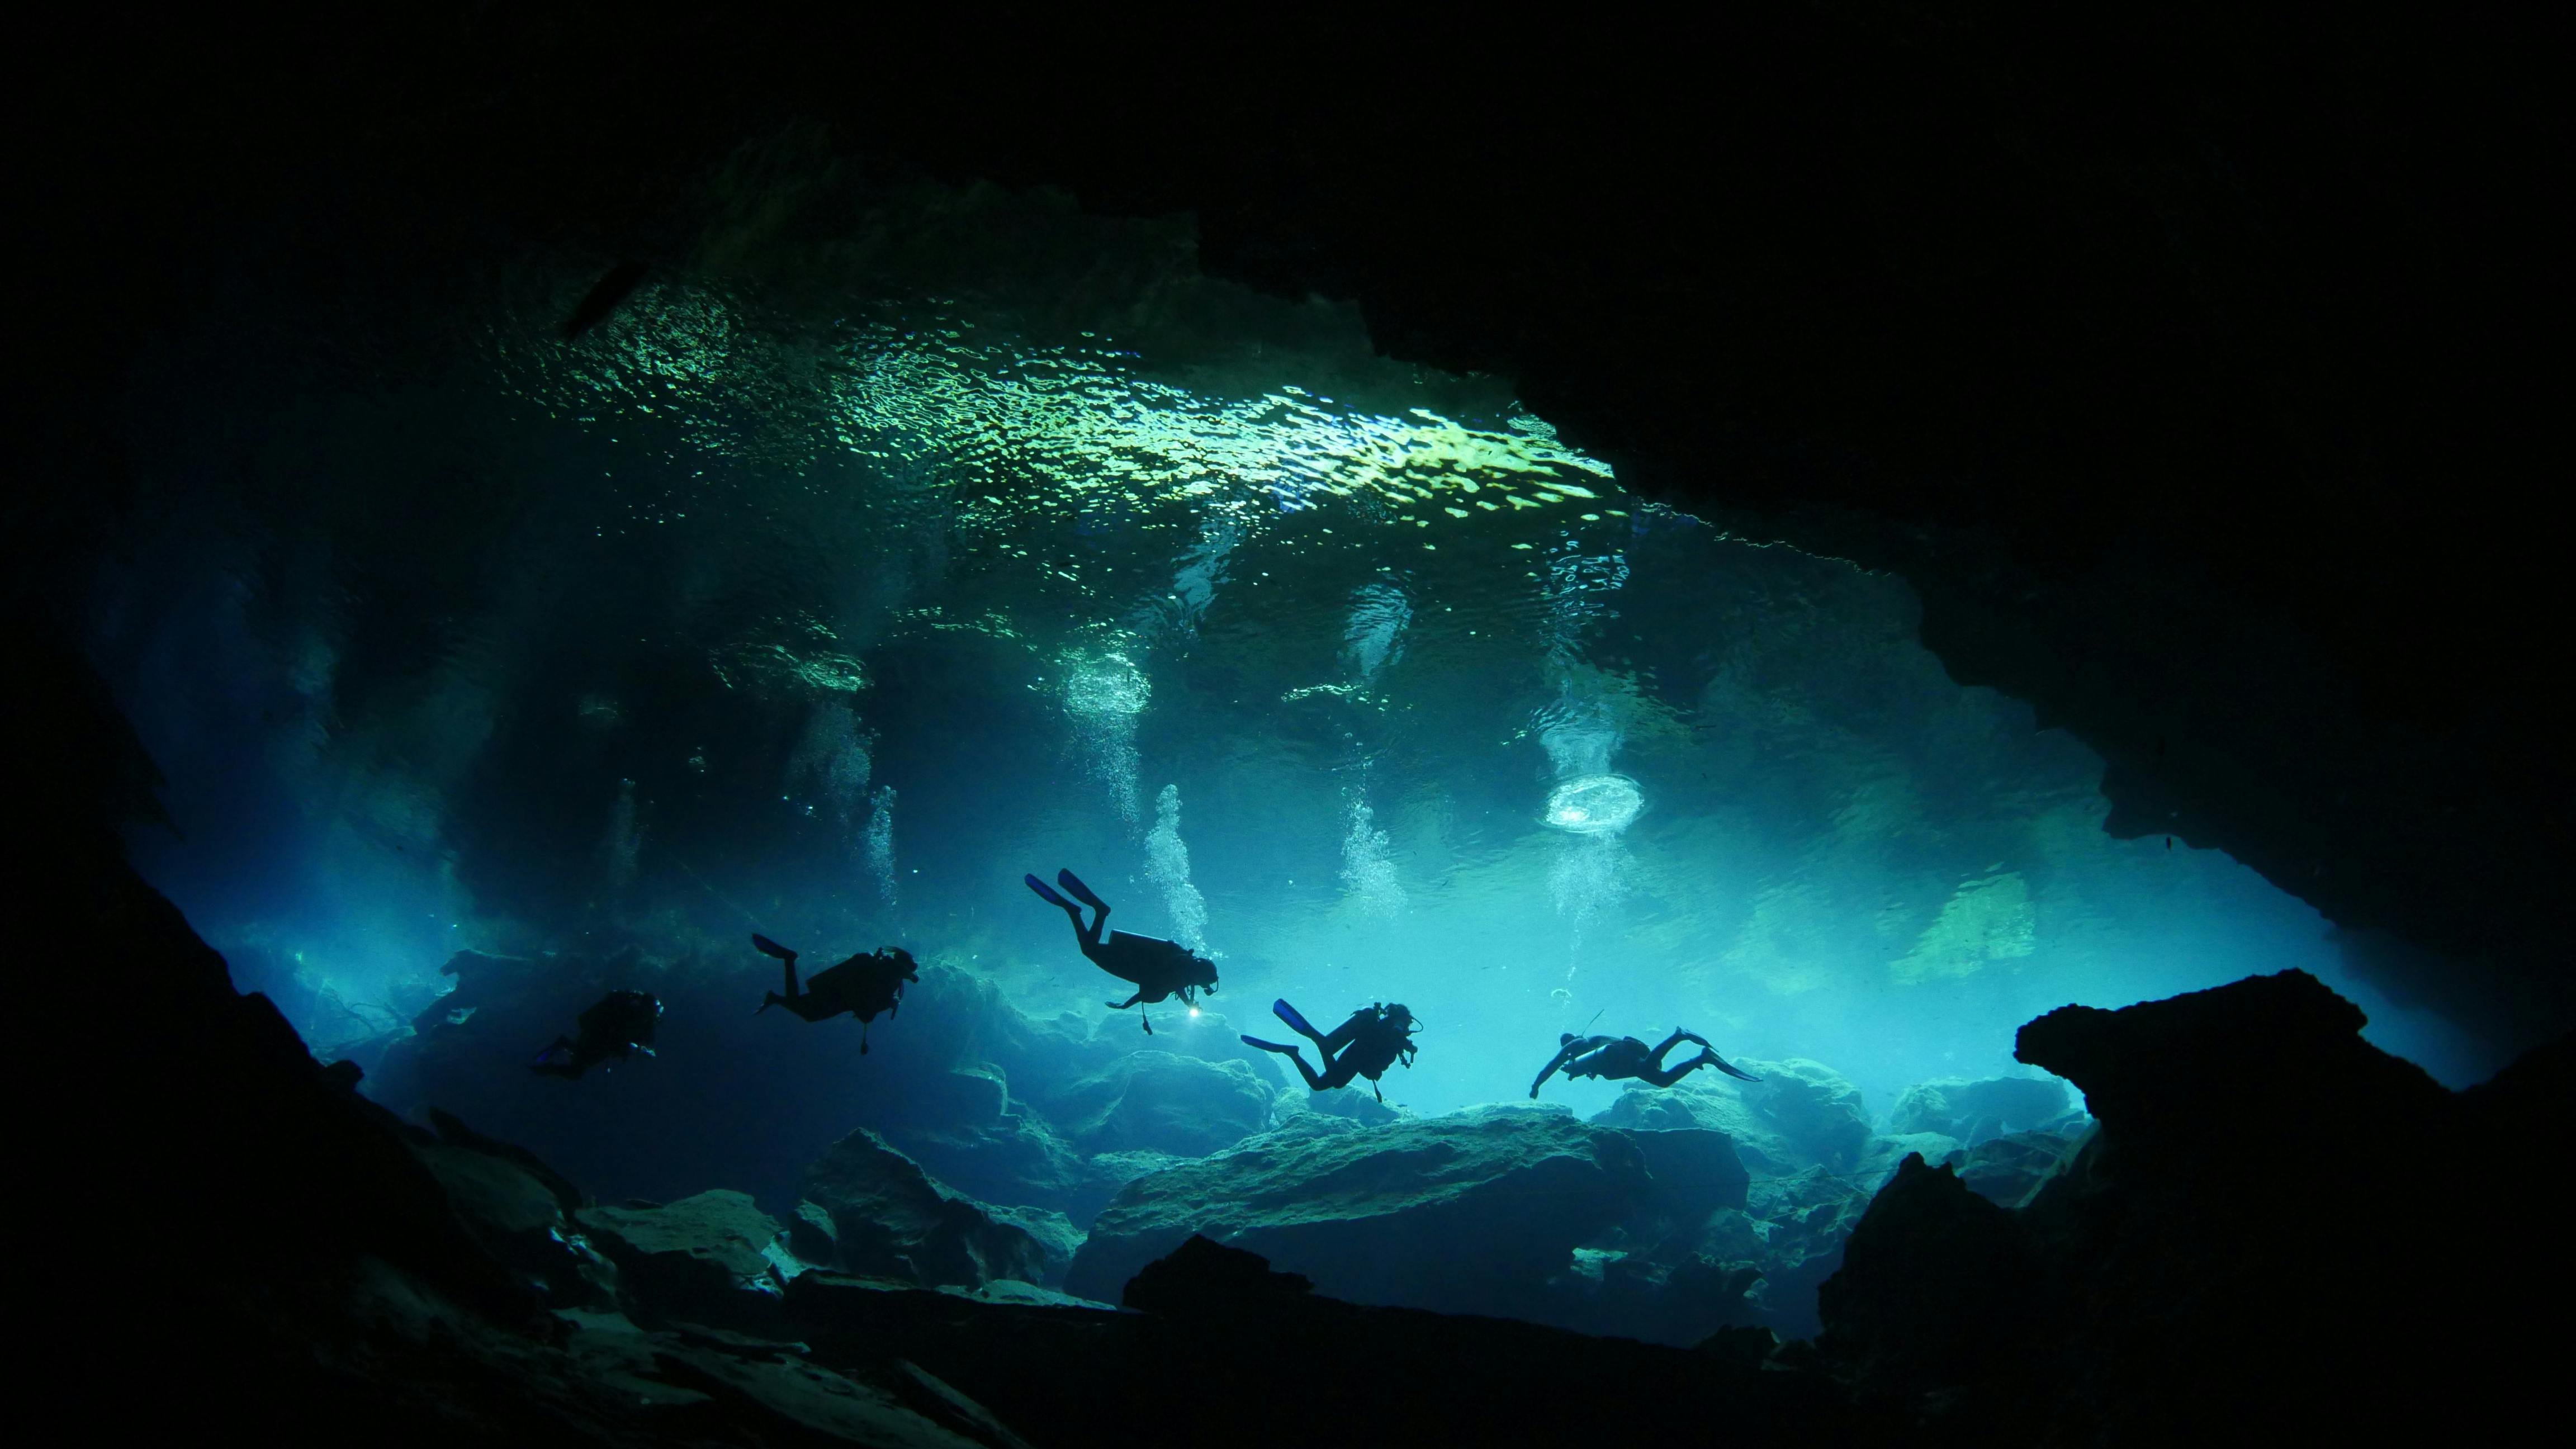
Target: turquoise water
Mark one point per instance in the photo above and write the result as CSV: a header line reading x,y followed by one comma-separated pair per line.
x,y
826,593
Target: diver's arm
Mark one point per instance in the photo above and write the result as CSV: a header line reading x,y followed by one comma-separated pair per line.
x,y
1564,1054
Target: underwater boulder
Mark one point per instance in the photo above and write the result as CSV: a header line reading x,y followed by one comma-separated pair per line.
x,y
1470,1212
967,1130
1815,1110
1801,1114
1655,1297
1934,1281
1696,1172
520,1211
703,1259
890,1219
1804,1218
2010,1170
1156,1101
1972,1111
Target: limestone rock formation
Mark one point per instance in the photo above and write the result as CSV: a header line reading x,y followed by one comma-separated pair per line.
x,y
890,1219
1972,1111
703,1259
1472,1212
1801,1114
1156,1101
521,1212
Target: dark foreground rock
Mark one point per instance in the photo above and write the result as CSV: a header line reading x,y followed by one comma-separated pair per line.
x,y
704,1259
1472,1212
1228,1350
2221,1256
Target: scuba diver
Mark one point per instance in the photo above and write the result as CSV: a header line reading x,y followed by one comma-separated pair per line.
x,y
1371,1041
862,986
1614,1057
1160,968
617,1025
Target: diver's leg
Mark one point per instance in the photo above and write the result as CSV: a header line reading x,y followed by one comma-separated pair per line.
x,y
1337,1074
1655,1058
1659,1075
1291,1053
788,964
863,1038
1123,1005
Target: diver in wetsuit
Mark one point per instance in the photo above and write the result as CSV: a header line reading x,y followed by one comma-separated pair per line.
x,y
617,1025
1615,1057
1159,968
1374,1038
862,986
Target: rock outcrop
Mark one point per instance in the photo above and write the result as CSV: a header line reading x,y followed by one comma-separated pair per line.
x,y
1235,1331
996,1103
1801,1114
1155,1101
1472,1212
890,1219
2216,1258
704,1259
1972,1111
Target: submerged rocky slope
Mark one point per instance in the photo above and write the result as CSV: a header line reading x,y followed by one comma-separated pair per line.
x,y
281,1257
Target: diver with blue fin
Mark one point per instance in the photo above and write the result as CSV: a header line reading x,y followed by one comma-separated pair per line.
x,y
1374,1039
618,1025
1616,1058
862,986
1160,969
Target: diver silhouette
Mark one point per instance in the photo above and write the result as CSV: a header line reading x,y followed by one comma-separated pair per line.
x,y
1374,1038
1614,1057
617,1025
862,986
1160,969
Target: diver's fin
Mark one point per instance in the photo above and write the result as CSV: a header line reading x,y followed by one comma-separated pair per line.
x,y
1269,1046
768,947
1723,1065
1282,1010
1081,892
1047,893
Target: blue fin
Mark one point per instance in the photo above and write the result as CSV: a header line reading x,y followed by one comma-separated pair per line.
x,y
1288,1014
1081,892
1729,1068
768,947
1047,893
1269,1046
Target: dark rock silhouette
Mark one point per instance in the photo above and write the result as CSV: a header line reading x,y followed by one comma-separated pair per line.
x,y
2219,1257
